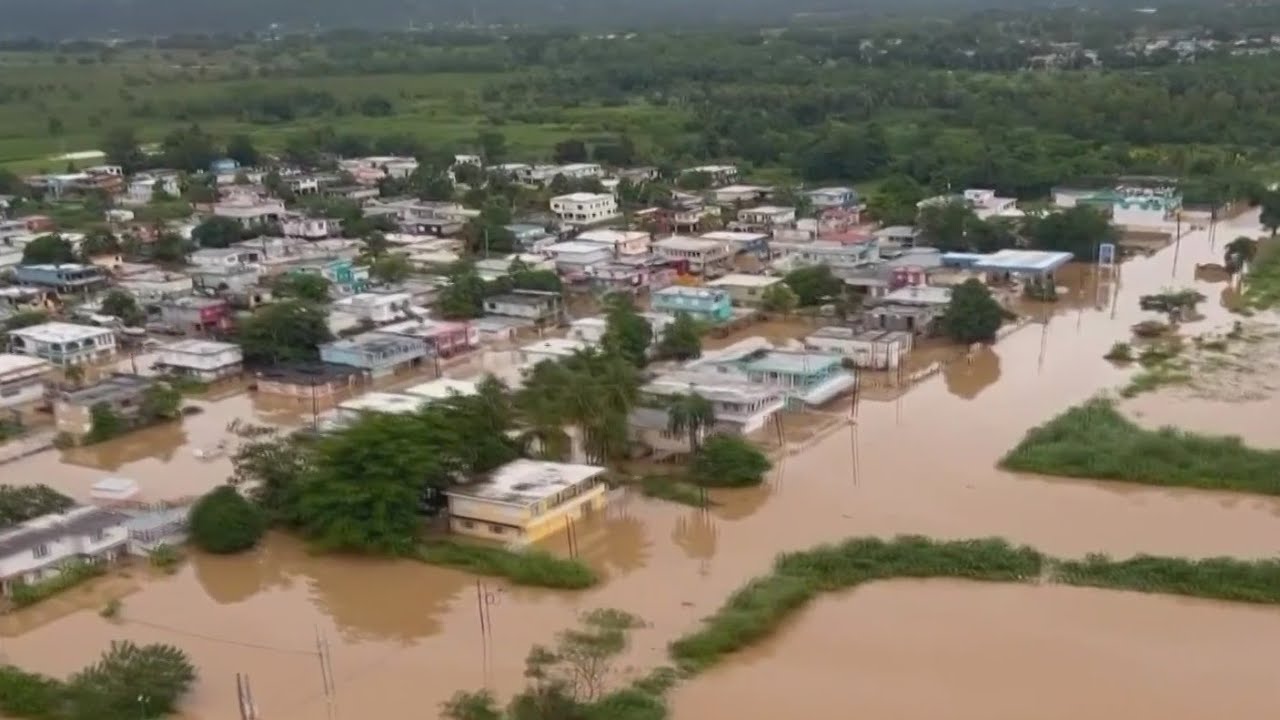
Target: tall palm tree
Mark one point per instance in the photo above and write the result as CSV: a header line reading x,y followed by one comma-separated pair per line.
x,y
691,414
1239,252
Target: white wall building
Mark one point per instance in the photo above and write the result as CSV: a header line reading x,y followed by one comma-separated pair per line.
x,y
64,344
376,307
623,243
870,349
250,211
203,360
21,379
702,254
39,548
156,285
550,349
310,228
585,208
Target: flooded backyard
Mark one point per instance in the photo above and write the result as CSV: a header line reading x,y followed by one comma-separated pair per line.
x,y
405,636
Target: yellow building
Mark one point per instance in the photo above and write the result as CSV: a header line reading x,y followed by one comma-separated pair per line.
x,y
525,500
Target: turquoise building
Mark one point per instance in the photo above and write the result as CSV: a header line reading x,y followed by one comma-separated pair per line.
x,y
804,377
701,303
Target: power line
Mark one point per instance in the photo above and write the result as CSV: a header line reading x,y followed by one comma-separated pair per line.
x,y
214,638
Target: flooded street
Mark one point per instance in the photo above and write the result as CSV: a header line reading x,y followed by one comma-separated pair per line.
x,y
912,650
405,636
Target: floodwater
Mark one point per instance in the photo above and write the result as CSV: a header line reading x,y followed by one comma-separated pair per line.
x,y
921,650
403,637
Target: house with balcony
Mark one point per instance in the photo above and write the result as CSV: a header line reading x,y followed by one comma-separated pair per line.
x,y
310,228
228,257
443,338
583,208
717,174
152,285
122,393
531,238
740,407
574,259
378,308
623,243
833,197
22,379
840,257
142,187
194,315
868,349
250,211
754,244
731,195
700,255
66,278
538,306
745,290
41,548
709,305
202,360
765,219
631,277
525,500
64,344
378,353
804,377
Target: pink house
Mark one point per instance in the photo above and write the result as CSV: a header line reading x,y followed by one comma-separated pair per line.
x,y
444,339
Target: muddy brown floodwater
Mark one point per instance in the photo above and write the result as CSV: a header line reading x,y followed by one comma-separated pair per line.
x,y
405,636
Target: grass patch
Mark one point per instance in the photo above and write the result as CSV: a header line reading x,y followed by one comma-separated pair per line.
x,y
1154,378
1095,441
760,607
72,574
527,567
674,488
1262,284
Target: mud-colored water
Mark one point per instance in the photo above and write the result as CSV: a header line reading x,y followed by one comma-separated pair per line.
x,y
912,650
404,636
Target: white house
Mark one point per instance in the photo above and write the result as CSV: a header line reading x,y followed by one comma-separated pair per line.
x,y
702,254
442,389
584,208
376,307
250,211
746,290
550,349
203,360
765,218
719,174
38,549
870,349
302,184
733,194
142,188
310,228
740,406
592,329
151,285
579,171
622,242
64,344
574,257
229,257
21,379
833,197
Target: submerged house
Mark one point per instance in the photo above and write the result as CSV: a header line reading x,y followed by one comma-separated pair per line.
x,y
804,377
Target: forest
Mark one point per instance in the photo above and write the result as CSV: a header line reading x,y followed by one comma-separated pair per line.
x,y
944,104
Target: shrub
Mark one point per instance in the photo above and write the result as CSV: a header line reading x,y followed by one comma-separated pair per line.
x,y
224,522
729,461
165,557
28,695
1095,441
674,489
528,567
1120,352
72,574
111,609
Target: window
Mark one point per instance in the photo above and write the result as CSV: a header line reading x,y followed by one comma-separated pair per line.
x,y
41,550
98,536
497,529
468,524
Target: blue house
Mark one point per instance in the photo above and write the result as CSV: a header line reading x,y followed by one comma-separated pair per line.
x,y
65,278
377,353
804,377
702,303
223,165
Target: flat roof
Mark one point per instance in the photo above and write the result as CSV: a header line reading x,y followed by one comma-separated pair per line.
x,y
573,246
709,385
687,291
424,327
790,361
771,209
1023,261
844,333
374,341
563,347
442,389
47,528
518,298
60,332
733,236
10,364
919,295
119,384
523,483
610,236
199,347
745,280
681,242
743,188
383,402
582,197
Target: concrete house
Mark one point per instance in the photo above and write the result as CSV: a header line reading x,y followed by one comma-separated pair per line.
x,y
250,211
765,218
155,284
719,174
72,409
868,349
22,380
66,278
574,258
531,238
623,243
196,315
833,197
525,500
309,228
805,377
316,381
538,306
583,208
142,187
745,290
741,242
740,194
740,407
375,307
706,304
378,353
40,548
550,349
702,255
225,257
64,344
201,359
443,338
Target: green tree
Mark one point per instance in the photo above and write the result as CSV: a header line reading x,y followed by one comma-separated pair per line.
x,y
99,241
493,146
121,148
1270,215
274,468
894,201
223,522
25,318
130,681
814,285
944,225
284,332
190,149
121,304
391,269
1239,253
306,287
19,504
431,184
779,298
571,150
464,296
681,339
1078,230
972,315
160,402
48,249
240,148
626,331
169,248
693,415
729,461
104,423
217,232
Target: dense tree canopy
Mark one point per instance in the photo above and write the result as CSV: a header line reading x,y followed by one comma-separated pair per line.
x,y
972,315
48,249
283,332
224,522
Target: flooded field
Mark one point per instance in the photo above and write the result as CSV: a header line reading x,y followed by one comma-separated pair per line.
x,y
405,636
912,650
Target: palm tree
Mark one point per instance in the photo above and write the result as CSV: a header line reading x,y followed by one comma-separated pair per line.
x,y
692,414
1238,253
